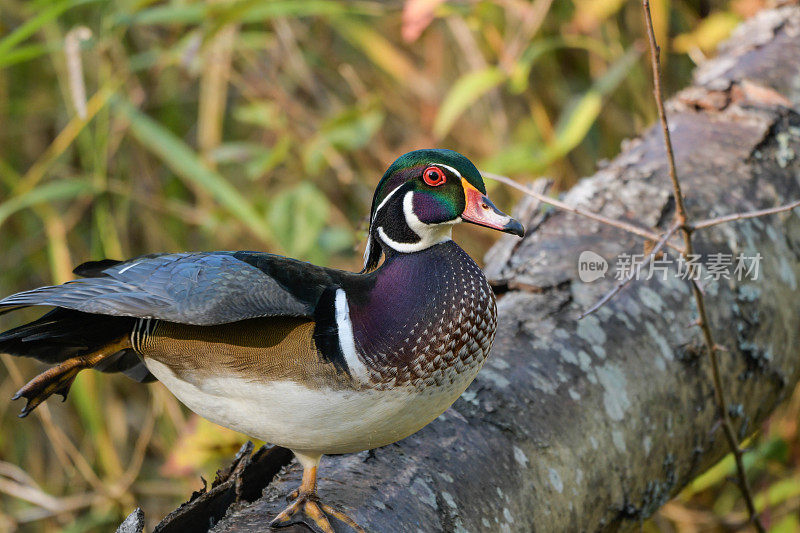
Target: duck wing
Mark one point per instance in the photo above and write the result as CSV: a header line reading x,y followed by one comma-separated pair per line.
x,y
202,288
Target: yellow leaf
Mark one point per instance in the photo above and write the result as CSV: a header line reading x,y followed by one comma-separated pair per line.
x,y
465,92
383,53
708,33
589,14
202,445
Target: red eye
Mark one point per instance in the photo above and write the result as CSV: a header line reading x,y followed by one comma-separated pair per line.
x,y
434,176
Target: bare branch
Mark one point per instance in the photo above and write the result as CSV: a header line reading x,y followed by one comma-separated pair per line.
x,y
655,58
703,323
52,504
72,51
634,274
707,223
625,226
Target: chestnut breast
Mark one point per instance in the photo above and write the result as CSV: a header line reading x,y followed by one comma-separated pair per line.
x,y
428,321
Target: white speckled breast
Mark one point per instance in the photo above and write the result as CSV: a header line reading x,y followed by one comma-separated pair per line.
x,y
429,321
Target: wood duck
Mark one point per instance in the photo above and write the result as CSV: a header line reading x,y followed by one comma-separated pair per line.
x,y
314,359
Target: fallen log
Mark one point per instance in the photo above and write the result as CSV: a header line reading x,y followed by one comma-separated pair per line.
x,y
594,424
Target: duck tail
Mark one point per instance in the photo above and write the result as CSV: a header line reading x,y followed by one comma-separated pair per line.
x,y
73,341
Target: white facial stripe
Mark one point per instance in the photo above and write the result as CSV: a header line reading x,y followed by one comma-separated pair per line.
x,y
448,167
374,216
402,247
346,340
388,196
380,205
413,221
429,234
441,165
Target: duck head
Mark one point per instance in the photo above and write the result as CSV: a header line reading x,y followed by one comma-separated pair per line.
x,y
422,195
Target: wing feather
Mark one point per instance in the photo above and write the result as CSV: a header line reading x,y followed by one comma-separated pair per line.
x,y
202,288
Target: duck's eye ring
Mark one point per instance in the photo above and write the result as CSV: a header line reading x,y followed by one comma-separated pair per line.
x,y
434,176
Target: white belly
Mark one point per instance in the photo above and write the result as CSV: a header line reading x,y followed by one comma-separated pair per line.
x,y
312,420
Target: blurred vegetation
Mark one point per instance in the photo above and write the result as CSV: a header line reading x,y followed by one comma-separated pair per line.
x,y
135,126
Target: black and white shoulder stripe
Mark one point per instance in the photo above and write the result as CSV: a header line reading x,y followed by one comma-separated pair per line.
x,y
333,334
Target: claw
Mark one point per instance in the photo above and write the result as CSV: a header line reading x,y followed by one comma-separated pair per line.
x,y
339,515
307,507
307,504
316,515
56,380
59,379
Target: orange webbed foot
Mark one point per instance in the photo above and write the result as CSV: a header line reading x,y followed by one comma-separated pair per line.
x,y
308,509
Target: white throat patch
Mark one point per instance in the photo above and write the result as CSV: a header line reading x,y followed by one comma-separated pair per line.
x,y
429,234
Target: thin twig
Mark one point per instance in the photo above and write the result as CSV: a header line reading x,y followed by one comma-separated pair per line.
x,y
28,493
634,273
65,450
702,322
625,226
655,58
72,50
139,449
707,223
15,473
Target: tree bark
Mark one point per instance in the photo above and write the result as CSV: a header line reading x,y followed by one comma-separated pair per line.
x,y
594,424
